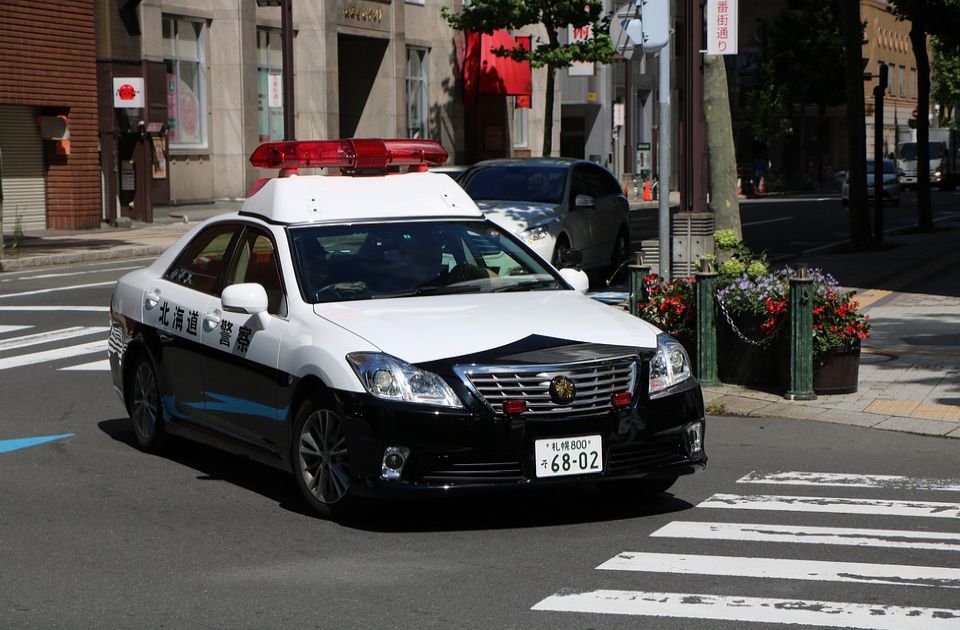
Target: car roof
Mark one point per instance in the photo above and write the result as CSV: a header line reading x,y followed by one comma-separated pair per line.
x,y
345,198
559,162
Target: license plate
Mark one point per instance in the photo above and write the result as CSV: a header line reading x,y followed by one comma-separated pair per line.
x,y
557,457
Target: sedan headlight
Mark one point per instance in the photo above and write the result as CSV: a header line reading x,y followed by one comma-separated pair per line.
x,y
670,366
390,378
534,234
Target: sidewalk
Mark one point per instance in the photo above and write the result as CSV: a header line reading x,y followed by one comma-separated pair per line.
x,y
910,366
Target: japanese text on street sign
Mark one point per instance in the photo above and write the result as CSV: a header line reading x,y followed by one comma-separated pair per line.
x,y
580,34
722,27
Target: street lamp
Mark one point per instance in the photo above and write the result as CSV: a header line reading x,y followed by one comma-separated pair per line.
x,y
286,35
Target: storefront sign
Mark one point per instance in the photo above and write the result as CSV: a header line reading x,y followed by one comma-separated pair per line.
x,y
275,89
354,11
722,27
127,92
580,34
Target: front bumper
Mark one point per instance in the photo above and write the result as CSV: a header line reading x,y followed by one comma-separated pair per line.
x,y
474,450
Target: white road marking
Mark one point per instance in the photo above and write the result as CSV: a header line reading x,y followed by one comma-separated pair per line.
x,y
53,355
50,336
93,366
784,569
9,329
886,482
55,289
833,505
748,224
69,273
756,532
823,614
75,309
7,274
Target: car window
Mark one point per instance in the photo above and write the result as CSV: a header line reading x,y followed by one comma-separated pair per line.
x,y
593,181
203,263
515,182
256,261
605,182
403,259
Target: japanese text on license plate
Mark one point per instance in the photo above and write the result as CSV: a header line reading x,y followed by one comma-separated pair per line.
x,y
569,456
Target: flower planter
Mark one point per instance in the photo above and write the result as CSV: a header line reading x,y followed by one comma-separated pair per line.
x,y
837,372
742,363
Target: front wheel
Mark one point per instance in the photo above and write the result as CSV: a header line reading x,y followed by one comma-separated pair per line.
x,y
321,463
145,410
562,244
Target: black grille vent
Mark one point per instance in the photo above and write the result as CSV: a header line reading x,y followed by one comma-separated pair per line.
x,y
639,457
485,469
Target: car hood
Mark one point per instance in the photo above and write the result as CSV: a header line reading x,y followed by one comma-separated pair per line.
x,y
517,216
429,328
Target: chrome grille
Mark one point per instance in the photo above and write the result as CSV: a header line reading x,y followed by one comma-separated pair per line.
x,y
595,382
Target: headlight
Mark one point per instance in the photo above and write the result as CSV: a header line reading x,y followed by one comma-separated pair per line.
x,y
670,366
389,378
937,173
534,234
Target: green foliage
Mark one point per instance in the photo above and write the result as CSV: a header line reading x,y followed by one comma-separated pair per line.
x,y
486,16
945,70
767,109
670,305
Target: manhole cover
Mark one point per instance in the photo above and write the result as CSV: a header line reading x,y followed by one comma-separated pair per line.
x,y
952,339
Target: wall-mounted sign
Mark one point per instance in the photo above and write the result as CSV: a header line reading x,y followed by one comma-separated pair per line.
x,y
722,27
127,92
591,97
580,34
354,11
618,115
275,90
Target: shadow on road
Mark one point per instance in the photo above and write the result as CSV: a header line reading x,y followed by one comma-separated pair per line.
x,y
509,509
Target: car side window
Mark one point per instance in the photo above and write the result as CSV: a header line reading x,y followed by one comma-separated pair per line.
x,y
580,184
605,182
202,264
256,261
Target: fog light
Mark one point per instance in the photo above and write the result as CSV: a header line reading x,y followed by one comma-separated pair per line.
x,y
694,439
621,399
394,457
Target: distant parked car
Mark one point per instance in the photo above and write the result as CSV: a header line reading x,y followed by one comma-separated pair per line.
x,y
555,204
891,183
454,171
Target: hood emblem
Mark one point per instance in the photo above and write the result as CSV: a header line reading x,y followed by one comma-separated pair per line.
x,y
562,390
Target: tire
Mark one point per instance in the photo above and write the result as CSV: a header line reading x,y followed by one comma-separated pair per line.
x,y
145,407
562,243
621,252
636,489
320,460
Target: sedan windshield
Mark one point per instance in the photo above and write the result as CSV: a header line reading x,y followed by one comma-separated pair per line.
x,y
538,184
338,263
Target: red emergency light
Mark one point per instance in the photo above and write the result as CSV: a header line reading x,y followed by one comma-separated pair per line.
x,y
353,154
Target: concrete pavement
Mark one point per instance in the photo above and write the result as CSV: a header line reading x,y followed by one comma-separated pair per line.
x,y
910,366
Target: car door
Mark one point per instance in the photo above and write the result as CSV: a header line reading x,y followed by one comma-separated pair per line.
x,y
611,211
173,305
240,377
579,220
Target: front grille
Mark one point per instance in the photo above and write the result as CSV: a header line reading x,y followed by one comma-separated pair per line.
x,y
637,457
595,381
476,468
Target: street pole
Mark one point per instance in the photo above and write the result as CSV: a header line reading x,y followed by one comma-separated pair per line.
x,y
878,156
286,34
663,162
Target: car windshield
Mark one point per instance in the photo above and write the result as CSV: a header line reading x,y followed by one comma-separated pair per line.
x,y
908,151
539,184
337,263
888,167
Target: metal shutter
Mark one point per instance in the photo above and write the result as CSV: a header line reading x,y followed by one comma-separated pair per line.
x,y
21,170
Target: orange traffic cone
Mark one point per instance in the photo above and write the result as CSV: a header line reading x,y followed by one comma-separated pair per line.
x,y
739,186
762,186
647,195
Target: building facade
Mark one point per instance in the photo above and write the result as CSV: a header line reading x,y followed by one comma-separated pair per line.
x,y
49,175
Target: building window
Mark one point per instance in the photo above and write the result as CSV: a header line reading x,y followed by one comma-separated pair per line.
x,y
913,82
901,79
269,84
417,93
184,45
520,122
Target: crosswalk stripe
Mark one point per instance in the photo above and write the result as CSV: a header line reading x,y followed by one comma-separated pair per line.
x,y
74,309
93,366
9,329
55,289
824,614
51,336
71,273
53,355
834,505
755,532
784,569
886,482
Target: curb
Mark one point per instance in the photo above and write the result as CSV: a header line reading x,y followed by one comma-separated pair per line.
x,y
50,260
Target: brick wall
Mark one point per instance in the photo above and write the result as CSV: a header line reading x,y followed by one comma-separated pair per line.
x,y
48,60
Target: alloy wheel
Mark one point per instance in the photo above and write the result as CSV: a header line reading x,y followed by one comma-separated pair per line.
x,y
323,457
145,409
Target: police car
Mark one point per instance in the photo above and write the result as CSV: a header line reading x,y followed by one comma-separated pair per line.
x,y
373,334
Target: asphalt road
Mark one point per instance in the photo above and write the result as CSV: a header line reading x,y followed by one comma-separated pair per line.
x,y
96,534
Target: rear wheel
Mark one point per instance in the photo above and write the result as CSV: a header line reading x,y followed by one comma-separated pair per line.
x,y
621,252
145,411
320,459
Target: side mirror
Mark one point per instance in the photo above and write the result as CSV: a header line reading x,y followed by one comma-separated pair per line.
x,y
246,297
570,257
583,201
576,278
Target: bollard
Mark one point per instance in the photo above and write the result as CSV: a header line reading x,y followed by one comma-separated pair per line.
x,y
705,288
638,288
800,386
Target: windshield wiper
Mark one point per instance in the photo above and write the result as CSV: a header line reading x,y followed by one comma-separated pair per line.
x,y
527,286
432,290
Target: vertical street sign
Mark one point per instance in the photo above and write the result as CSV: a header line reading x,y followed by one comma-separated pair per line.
x,y
580,34
722,27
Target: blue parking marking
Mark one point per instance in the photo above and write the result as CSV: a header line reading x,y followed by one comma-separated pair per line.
x,y
13,445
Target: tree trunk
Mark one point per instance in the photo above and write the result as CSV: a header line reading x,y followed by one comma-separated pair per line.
x,y
548,114
860,234
721,155
918,38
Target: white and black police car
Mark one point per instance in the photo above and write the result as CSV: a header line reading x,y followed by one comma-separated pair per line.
x,y
373,334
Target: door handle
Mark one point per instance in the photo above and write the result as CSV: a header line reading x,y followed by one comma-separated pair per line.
x,y
151,299
212,320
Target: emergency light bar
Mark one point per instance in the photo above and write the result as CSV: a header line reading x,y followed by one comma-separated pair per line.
x,y
350,154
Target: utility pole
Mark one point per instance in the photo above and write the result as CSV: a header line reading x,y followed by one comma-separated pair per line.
x,y
286,52
878,91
